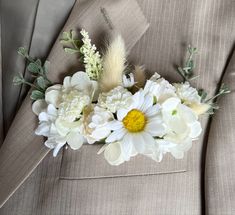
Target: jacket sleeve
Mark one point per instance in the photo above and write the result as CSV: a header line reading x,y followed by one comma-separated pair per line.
x,y
220,153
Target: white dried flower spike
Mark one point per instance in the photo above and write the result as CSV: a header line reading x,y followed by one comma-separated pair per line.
x,y
114,65
91,57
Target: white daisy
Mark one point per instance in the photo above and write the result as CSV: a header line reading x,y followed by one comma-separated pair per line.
x,y
137,125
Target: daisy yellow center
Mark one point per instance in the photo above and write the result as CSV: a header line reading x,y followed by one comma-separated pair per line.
x,y
134,121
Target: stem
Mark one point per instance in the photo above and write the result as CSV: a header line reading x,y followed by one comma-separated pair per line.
x,y
31,85
212,98
74,44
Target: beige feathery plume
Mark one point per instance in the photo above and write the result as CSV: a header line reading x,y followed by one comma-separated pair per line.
x,y
113,65
139,76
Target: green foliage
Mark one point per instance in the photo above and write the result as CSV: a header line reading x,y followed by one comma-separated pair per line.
x,y
187,70
72,44
224,89
187,74
88,53
38,71
36,94
203,94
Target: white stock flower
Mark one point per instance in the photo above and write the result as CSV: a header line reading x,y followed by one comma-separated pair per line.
x,y
115,99
94,124
159,88
137,125
182,127
128,82
187,94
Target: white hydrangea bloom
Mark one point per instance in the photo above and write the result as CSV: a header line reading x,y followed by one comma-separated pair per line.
x,y
61,121
94,123
115,99
92,58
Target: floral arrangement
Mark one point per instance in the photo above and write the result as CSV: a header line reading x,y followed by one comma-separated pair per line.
x,y
130,114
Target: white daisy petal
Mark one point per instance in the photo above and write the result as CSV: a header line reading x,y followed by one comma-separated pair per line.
x,y
116,135
100,133
138,141
127,147
149,141
114,125
155,127
152,110
148,102
121,114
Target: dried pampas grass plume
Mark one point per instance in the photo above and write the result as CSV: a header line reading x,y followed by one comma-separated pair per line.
x,y
139,76
113,65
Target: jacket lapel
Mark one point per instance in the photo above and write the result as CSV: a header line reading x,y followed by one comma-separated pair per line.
x,y
22,151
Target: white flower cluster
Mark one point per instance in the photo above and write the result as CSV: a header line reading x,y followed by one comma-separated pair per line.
x,y
61,113
91,57
158,119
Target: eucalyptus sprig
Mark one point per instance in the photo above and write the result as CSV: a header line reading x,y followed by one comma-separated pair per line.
x,y
39,73
187,70
72,43
187,74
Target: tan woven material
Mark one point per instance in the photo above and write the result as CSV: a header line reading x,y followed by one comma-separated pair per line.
x,y
80,183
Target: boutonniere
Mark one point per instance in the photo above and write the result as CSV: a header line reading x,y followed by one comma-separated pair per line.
x,y
126,112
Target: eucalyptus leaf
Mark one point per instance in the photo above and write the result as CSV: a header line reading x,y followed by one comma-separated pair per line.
x,y
41,82
36,94
33,67
22,51
65,35
46,66
38,62
18,79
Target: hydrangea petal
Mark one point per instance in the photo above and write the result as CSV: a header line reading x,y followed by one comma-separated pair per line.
x,y
39,106
75,140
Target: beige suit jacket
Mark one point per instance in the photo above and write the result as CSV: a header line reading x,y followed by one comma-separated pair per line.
x,y
80,182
